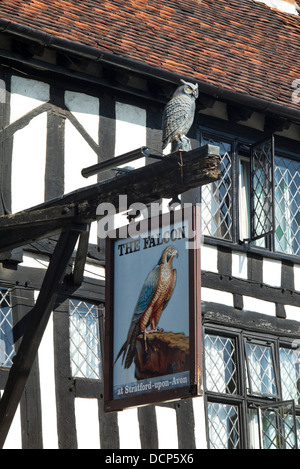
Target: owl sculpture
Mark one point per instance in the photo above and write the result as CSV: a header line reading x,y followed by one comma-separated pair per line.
x,y
178,117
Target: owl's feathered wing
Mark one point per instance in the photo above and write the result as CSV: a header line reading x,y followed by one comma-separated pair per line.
x,y
177,118
147,292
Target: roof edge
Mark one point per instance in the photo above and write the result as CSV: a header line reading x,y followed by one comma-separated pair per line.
x,y
94,54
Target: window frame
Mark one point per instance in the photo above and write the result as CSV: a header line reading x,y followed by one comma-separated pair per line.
x,y
245,401
242,142
260,343
100,325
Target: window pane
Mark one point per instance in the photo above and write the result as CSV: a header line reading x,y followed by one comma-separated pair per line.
x,y
260,368
290,374
287,206
262,189
223,424
7,350
84,340
217,197
220,367
273,427
254,439
278,426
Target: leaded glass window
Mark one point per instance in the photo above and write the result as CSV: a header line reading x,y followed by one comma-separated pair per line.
x,y
85,348
224,431
220,364
290,373
257,198
262,171
278,426
260,370
217,196
7,349
287,206
252,389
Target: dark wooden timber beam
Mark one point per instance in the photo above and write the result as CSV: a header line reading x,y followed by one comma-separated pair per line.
x,y
162,179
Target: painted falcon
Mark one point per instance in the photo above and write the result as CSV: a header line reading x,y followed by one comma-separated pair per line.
x,y
154,297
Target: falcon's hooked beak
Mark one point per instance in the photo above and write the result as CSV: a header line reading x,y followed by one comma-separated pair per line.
x,y
171,254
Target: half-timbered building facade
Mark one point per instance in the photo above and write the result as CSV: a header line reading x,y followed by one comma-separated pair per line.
x,y
82,82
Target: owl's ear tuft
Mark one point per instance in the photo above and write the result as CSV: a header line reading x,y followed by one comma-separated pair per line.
x,y
183,82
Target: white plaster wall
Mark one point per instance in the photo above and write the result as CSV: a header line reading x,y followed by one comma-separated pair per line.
x,y
78,153
86,110
216,296
94,271
200,422
166,428
47,385
209,258
35,261
259,306
297,277
14,437
239,265
292,312
130,135
26,95
272,272
130,130
28,164
29,143
87,423
129,432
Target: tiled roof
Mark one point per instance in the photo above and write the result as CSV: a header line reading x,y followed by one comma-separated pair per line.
x,y
239,45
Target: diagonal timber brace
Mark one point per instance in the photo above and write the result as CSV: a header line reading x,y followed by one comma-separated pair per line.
x,y
39,315
71,217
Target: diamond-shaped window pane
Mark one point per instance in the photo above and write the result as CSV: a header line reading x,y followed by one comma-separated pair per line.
x,y
220,366
287,206
84,340
279,428
223,423
262,189
7,349
290,373
261,377
217,197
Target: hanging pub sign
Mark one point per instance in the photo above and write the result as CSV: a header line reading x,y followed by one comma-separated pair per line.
x,y
153,311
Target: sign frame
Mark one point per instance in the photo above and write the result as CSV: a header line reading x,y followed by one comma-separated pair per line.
x,y
192,386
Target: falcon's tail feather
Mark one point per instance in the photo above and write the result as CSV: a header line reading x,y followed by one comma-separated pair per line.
x,y
122,350
131,346
128,348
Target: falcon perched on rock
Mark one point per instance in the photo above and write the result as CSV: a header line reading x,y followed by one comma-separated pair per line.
x,y
153,299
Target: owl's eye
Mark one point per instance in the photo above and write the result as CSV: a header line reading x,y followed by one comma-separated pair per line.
x,y
188,89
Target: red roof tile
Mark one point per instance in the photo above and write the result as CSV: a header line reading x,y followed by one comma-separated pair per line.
x,y
239,45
